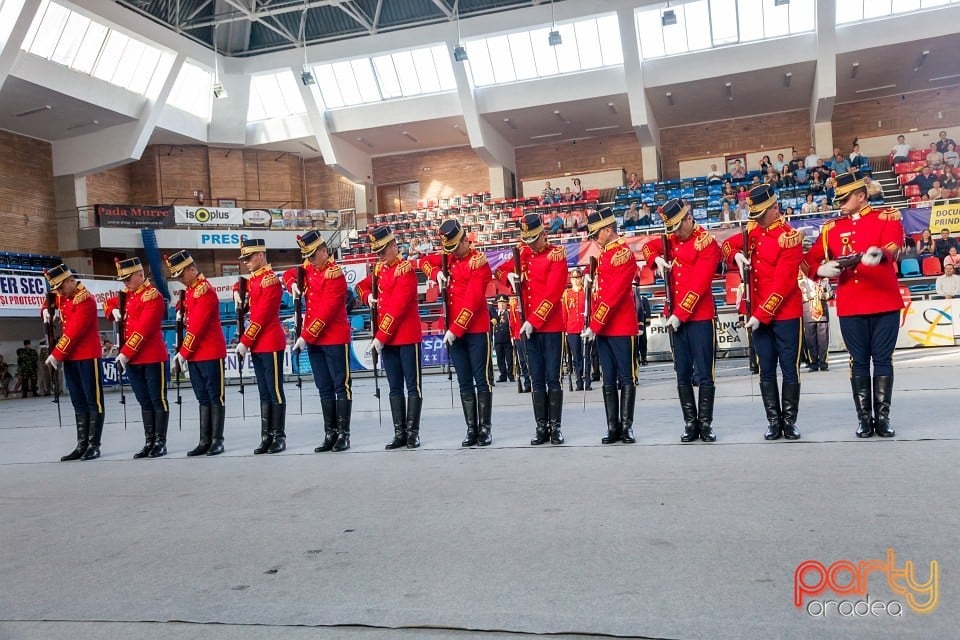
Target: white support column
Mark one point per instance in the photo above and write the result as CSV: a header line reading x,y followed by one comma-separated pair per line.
x,y
641,113
117,145
228,116
11,38
825,79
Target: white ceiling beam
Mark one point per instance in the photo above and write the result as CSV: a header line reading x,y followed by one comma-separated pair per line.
x,y
10,42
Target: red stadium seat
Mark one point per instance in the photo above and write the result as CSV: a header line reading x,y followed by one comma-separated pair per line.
x,y
931,266
915,199
918,155
911,190
903,167
645,275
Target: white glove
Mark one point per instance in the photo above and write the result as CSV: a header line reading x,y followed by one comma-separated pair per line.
x,y
588,334
45,314
243,350
295,290
375,346
587,279
449,338
442,279
115,314
52,362
526,329
180,362
742,262
122,362
372,302
752,324
180,315
514,279
662,265
299,345
872,257
674,322
236,298
830,269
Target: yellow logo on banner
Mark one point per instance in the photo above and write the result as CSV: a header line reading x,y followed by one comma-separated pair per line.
x,y
944,216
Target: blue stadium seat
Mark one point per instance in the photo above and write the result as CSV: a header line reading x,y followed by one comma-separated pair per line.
x,y
910,268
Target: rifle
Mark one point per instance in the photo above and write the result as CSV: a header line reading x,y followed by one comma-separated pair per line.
x,y
122,340
522,313
568,364
587,294
241,311
298,323
180,311
747,300
374,323
51,343
668,294
445,270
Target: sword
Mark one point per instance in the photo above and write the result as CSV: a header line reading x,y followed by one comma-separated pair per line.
x,y
54,373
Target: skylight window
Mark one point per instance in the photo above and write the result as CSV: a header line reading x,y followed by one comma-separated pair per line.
x,y
401,74
857,10
586,44
191,91
275,95
75,41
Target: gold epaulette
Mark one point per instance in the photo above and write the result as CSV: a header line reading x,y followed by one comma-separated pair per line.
x,y
81,296
751,225
477,260
403,268
201,289
826,226
270,280
333,272
890,215
150,294
621,257
557,254
703,240
790,239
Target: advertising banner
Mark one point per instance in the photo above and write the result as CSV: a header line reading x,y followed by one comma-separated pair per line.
x,y
22,293
219,216
945,216
260,218
130,215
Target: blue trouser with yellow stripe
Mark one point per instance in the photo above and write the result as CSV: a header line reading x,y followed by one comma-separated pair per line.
x,y
401,364
206,378
268,369
544,351
778,342
149,384
83,378
618,359
694,346
470,355
331,370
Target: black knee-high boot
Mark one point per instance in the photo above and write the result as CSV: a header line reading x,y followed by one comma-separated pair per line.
x,y
469,403
161,421
611,407
398,411
206,433
83,427
344,408
414,408
149,433
278,421
217,418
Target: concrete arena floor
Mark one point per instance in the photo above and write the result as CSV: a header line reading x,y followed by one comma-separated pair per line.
x,y
653,540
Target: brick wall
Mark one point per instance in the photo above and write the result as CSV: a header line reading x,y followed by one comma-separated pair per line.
x,y
898,114
327,189
451,172
736,135
110,187
144,178
26,195
592,154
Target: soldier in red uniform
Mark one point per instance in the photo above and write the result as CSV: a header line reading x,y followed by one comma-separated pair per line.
x,y
79,351
468,326
689,262
203,350
573,308
144,355
774,254
265,341
325,336
397,336
868,295
613,322
541,282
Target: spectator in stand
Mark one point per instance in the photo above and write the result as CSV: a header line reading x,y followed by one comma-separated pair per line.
x,y
944,142
952,259
779,165
829,191
948,285
109,350
809,206
634,183
874,190
742,193
855,155
425,245
824,207
773,177
934,158
944,244
935,193
948,182
823,170
573,221
901,150
631,218
816,185
840,164
548,195
714,175
729,194
556,224
567,195
811,160
801,175
765,164
726,215
789,212
743,212
577,190
925,179
646,219
926,246
738,172
950,156
754,181
909,250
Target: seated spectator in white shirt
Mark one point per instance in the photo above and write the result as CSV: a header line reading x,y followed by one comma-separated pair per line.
x,y
631,217
779,164
726,215
738,172
855,155
645,220
548,195
811,160
714,175
809,206
934,157
742,212
425,246
944,142
874,190
901,150
950,156
948,285
935,192
577,189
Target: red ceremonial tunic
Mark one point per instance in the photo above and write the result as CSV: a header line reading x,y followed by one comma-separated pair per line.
x,y
467,289
203,339
264,334
862,290
81,336
543,278
325,293
693,264
145,311
614,312
775,256
398,314
572,301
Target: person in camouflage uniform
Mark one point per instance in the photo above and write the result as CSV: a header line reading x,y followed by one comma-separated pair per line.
x,y
27,365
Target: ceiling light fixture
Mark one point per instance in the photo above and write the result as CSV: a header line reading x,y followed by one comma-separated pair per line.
x,y
612,107
669,17
950,77
670,98
509,123
545,135
554,38
787,78
609,126
728,87
854,69
923,58
364,142
218,91
559,116
459,53
30,112
406,134
311,147
781,3
885,86
306,77
81,125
